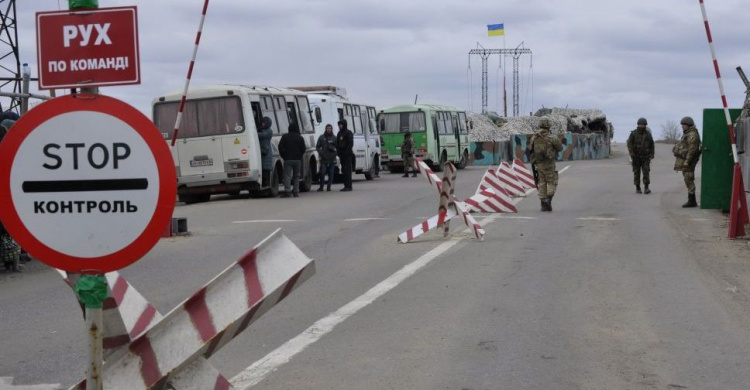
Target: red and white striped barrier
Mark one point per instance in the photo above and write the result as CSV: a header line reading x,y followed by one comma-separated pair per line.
x,y
125,313
523,175
449,207
487,201
174,350
190,73
428,174
509,180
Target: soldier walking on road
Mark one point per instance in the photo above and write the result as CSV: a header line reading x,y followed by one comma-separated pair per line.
x,y
687,152
544,149
641,149
407,153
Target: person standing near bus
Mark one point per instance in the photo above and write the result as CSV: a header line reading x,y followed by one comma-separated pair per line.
x,y
292,149
326,147
266,153
407,153
344,147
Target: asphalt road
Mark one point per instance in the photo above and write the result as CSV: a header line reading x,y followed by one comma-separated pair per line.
x,y
612,290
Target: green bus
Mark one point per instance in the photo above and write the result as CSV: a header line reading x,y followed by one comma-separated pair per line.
x,y
441,134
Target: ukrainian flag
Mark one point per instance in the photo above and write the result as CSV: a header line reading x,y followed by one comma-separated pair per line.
x,y
494,30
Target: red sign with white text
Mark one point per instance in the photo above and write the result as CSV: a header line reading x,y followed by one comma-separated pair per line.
x,y
88,48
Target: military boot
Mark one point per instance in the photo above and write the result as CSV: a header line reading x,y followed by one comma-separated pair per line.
x,y
646,190
406,174
638,190
549,202
543,202
691,201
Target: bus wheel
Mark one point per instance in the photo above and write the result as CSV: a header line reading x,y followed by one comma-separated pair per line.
x,y
194,198
374,169
464,160
306,183
273,190
441,163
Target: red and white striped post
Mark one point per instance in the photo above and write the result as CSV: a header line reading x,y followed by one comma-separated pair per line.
x,y
189,74
738,208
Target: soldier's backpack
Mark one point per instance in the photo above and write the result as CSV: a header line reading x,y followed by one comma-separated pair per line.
x,y
543,150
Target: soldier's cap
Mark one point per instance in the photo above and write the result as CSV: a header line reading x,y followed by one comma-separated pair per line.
x,y
642,121
687,121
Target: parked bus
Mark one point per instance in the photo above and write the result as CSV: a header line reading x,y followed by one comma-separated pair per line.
x,y
218,150
329,105
440,134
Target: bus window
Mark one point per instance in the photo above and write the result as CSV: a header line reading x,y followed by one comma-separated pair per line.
x,y
281,114
318,115
291,114
305,115
357,121
373,122
256,113
206,117
402,122
341,113
268,110
462,123
454,123
441,128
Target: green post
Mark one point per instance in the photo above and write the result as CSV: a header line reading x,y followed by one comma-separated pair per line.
x,y
74,4
92,291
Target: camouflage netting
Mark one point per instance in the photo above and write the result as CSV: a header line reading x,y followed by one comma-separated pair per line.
x,y
496,128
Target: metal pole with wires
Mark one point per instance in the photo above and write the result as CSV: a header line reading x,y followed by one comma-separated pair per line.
x,y
189,74
738,208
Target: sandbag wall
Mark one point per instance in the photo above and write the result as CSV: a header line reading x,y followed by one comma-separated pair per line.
x,y
591,146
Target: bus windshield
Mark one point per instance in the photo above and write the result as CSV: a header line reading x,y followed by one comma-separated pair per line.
x,y
201,118
402,122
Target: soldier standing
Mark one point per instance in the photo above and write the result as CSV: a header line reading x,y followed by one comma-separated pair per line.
x,y
544,149
407,153
687,153
641,149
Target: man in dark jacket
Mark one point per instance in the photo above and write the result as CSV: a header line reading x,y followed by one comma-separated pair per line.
x,y
265,133
292,149
326,147
345,150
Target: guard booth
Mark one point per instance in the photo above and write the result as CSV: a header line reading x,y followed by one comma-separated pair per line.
x,y
743,148
717,163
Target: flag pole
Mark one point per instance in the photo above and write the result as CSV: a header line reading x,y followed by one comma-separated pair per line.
x,y
505,91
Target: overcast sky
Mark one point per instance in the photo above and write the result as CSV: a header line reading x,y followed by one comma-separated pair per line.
x,y
628,58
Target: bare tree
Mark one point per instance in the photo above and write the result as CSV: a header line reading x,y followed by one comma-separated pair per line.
x,y
670,132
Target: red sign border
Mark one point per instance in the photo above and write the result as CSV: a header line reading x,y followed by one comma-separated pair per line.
x,y
137,58
148,132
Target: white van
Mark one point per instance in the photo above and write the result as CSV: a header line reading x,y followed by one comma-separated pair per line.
x,y
329,105
218,150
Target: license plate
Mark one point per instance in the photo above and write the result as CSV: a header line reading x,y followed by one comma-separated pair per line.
x,y
202,163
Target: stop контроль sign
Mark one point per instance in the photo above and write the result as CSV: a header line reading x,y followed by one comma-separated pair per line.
x,y
87,183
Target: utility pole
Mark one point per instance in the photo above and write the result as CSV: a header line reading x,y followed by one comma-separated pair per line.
x,y
10,64
516,54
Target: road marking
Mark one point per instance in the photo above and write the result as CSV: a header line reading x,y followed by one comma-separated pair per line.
x,y
514,217
564,169
597,219
364,219
268,221
259,370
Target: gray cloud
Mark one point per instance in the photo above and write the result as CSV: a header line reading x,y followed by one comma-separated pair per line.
x,y
629,59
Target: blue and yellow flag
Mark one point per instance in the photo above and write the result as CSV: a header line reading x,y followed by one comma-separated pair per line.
x,y
494,30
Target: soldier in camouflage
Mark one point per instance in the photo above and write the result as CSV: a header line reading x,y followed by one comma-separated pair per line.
x,y
641,149
544,149
687,152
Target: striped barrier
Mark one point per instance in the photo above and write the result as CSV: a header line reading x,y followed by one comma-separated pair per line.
x,y
509,180
491,196
125,313
172,353
523,175
449,207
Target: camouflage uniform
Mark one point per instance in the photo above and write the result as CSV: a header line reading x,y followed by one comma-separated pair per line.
x,y
687,153
544,149
641,149
407,153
